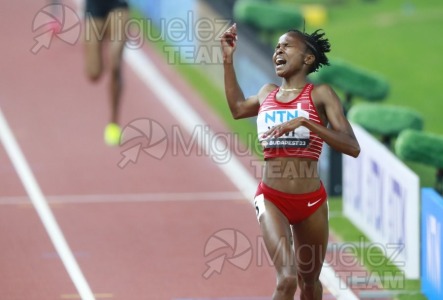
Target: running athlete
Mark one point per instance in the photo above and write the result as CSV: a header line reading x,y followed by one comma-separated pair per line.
x,y
292,123
106,19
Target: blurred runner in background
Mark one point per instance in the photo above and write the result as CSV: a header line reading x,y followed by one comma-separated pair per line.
x,y
105,20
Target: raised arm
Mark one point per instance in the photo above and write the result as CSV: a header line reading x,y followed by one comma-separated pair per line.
x,y
240,106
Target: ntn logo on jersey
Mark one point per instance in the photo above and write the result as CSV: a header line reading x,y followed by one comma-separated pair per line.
x,y
274,117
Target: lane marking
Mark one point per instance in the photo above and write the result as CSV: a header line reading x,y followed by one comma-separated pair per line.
x,y
44,212
129,198
97,296
337,287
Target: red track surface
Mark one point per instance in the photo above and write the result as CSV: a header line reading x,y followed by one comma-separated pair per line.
x,y
129,243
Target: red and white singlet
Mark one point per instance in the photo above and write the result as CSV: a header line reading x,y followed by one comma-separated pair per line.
x,y
299,143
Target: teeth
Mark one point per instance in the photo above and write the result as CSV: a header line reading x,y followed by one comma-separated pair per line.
x,y
280,61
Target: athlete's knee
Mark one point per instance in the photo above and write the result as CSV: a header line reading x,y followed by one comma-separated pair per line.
x,y
116,71
94,76
308,283
93,73
287,284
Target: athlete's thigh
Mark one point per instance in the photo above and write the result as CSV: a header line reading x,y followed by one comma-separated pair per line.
x,y
276,232
117,34
93,36
310,241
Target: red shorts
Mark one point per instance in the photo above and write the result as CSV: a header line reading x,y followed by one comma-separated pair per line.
x,y
296,207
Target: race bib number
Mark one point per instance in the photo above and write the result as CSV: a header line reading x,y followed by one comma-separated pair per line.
x,y
299,138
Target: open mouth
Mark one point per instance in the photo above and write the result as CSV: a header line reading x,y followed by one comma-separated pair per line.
x,y
280,62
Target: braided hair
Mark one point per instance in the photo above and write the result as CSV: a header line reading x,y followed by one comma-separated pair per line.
x,y
318,44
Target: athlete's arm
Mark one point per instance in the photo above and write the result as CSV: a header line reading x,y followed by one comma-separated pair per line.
x,y
340,135
240,106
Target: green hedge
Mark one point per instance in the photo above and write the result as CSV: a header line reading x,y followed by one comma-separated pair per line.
x,y
385,120
268,16
421,147
352,80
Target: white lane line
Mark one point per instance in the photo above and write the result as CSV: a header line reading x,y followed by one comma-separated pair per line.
x,y
233,169
335,285
129,198
44,212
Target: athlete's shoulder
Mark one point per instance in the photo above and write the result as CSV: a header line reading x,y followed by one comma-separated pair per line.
x,y
265,91
321,88
323,93
267,88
